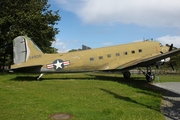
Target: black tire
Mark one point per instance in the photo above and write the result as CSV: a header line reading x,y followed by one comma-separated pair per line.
x,y
127,75
37,78
150,76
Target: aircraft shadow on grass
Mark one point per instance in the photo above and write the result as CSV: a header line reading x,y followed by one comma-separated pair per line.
x,y
169,96
135,82
87,77
127,99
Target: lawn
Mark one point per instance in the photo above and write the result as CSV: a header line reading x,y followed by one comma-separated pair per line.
x,y
84,96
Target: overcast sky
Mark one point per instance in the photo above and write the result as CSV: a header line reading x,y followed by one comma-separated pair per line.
x,y
99,23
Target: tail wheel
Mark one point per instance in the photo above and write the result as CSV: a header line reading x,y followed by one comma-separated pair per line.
x,y
150,76
126,74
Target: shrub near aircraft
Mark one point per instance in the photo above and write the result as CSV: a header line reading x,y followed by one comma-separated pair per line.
x,y
29,58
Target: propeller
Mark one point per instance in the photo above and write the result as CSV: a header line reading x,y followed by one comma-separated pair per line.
x,y
171,47
171,65
161,62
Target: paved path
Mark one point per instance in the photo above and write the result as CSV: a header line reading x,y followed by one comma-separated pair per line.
x,y
171,100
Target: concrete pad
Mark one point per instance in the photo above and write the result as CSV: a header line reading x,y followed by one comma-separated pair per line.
x,y
171,100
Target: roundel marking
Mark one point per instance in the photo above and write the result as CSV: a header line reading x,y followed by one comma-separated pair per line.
x,y
58,64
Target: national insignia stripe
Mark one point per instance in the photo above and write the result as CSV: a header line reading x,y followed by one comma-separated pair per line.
x,y
66,63
50,66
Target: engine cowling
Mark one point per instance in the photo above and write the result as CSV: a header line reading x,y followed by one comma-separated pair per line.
x,y
161,62
166,60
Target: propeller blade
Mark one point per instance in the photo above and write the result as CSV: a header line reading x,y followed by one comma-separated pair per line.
x,y
172,66
171,47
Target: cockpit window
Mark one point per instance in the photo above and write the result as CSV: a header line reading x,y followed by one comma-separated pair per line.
x,y
160,45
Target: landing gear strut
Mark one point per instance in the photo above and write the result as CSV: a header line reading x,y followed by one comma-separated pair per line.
x,y
150,76
126,74
38,77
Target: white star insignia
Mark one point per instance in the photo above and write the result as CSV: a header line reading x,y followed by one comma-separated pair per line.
x,y
58,64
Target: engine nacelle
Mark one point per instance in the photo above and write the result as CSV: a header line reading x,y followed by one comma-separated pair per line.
x,y
166,60
161,62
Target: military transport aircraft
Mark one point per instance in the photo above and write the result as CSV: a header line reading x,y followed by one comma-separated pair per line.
x,y
29,58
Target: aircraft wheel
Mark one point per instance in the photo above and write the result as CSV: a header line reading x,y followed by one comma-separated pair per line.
x,y
126,74
37,78
150,76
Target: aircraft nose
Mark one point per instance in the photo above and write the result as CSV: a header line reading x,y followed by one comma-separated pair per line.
x,y
164,49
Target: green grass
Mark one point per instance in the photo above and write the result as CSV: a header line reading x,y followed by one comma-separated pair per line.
x,y
167,78
84,96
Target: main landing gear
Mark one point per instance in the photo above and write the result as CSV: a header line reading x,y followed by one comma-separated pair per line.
x,y
150,76
126,74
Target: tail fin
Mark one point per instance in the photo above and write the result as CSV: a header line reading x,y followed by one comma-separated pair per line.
x,y
24,49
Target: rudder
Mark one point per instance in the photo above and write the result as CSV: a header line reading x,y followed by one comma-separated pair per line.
x,y
23,48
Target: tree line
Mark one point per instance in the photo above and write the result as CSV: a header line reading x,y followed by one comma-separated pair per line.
x,y
26,17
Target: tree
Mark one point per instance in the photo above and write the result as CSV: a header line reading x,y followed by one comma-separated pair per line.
x,y
26,17
73,50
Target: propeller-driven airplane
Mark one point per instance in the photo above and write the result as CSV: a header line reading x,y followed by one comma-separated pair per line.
x,y
29,58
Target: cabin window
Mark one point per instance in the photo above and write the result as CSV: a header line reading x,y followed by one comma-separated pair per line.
x,y
109,55
91,59
140,50
133,51
117,54
125,53
100,57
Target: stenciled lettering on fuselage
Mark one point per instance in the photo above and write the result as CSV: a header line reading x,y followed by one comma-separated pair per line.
x,y
35,56
58,64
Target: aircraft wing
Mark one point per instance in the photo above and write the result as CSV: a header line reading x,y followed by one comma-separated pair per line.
x,y
147,61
